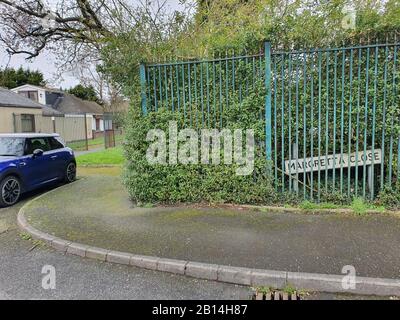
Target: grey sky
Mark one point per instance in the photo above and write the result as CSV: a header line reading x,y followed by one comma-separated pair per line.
x,y
45,61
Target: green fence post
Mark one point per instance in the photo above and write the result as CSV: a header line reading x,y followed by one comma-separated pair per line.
x,y
142,70
268,122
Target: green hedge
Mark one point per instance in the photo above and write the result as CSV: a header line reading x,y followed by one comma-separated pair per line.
x,y
148,183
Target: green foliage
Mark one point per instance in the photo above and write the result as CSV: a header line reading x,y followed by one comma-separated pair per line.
x,y
360,206
289,289
236,27
12,78
85,93
111,156
240,25
348,113
335,196
328,110
195,182
264,290
25,236
389,197
228,26
119,118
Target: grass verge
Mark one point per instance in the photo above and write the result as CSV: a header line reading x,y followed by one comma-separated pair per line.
x,y
111,156
359,206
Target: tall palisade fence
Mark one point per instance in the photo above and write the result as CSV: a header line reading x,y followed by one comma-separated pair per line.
x,y
332,116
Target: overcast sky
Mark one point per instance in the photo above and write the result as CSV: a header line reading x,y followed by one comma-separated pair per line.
x,y
45,61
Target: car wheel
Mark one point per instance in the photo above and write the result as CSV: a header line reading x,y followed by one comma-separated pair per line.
x,y
10,191
70,172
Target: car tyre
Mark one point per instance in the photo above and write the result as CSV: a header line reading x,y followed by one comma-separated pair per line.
x,y
10,191
70,172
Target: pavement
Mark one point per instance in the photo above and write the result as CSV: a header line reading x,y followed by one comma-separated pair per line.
x,y
97,149
96,211
21,263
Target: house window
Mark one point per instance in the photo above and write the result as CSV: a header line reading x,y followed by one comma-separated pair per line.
x,y
27,123
33,95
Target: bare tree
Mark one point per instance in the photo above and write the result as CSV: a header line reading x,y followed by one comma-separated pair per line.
x,y
108,91
30,26
77,31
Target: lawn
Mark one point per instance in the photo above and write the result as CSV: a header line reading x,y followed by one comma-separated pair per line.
x,y
111,156
92,143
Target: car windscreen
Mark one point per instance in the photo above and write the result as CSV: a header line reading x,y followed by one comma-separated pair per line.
x,y
11,146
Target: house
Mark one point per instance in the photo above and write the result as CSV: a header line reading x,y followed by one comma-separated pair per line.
x,y
12,104
67,105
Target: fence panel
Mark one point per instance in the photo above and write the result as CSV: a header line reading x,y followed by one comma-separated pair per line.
x,y
70,128
74,128
94,133
44,124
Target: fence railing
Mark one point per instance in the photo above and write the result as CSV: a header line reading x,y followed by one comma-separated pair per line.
x,y
332,116
204,87
337,108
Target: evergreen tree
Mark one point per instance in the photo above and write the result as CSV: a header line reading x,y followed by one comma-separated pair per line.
x,y
11,78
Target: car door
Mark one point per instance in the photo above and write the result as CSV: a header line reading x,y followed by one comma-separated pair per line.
x,y
36,170
59,156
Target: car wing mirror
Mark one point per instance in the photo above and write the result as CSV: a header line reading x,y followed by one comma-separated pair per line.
x,y
37,153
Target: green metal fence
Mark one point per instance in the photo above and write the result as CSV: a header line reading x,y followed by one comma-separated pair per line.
x,y
337,105
331,115
206,87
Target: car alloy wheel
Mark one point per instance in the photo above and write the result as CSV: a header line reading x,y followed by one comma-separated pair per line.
x,y
11,191
71,172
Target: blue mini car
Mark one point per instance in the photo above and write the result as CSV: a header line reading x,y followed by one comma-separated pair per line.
x,y
30,161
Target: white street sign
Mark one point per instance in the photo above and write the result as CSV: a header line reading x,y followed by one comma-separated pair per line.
x,y
329,162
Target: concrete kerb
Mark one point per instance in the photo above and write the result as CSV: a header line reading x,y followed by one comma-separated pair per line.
x,y
214,272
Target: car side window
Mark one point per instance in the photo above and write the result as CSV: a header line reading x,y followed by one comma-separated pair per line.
x,y
36,143
55,144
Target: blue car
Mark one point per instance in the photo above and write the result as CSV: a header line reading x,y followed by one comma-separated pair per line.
x,y
30,161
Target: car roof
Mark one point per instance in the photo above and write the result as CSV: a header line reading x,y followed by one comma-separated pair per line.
x,y
28,135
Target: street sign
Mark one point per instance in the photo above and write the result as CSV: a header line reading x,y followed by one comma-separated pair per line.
x,y
331,161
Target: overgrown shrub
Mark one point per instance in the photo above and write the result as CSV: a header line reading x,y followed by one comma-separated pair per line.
x,y
335,197
389,197
158,183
